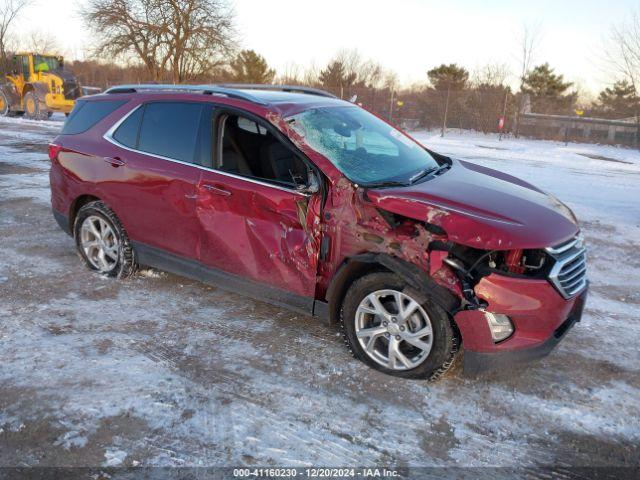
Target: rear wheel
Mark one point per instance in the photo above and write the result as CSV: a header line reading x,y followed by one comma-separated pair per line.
x,y
397,331
102,241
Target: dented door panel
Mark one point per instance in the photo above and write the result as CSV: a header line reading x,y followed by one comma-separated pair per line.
x,y
258,231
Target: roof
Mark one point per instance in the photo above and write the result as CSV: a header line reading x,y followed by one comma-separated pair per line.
x,y
288,99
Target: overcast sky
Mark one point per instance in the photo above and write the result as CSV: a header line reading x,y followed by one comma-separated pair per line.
x,y
408,36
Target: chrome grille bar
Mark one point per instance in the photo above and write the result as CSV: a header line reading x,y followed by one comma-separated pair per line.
x,y
569,272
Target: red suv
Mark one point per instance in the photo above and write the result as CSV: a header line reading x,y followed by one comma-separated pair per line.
x,y
293,196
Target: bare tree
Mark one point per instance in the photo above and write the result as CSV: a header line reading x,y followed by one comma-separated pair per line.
x,y
360,71
623,50
494,74
41,42
623,54
487,100
176,39
198,36
529,41
290,74
9,11
128,29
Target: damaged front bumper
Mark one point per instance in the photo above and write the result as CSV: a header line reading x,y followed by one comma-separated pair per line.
x,y
540,317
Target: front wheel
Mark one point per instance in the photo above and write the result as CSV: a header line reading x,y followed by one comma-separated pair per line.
x,y
33,108
102,241
396,330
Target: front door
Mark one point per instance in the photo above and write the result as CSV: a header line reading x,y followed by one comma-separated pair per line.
x,y
256,222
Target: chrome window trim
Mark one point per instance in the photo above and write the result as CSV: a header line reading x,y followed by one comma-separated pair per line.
x,y
108,136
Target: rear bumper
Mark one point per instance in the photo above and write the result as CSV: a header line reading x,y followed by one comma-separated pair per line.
x,y
540,316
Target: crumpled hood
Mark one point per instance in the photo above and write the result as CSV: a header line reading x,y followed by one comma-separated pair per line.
x,y
483,208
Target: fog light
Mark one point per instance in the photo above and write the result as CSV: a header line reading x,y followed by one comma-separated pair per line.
x,y
500,326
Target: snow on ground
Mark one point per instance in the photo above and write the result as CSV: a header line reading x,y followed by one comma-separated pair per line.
x,y
160,370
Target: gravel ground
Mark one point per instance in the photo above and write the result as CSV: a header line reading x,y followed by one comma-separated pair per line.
x,y
163,371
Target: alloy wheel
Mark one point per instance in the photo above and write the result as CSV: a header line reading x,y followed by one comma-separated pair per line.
x,y
99,243
393,329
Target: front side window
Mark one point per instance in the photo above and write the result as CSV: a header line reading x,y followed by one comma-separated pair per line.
x,y
249,149
170,129
367,150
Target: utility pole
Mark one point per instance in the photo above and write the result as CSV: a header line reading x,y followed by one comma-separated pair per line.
x,y
391,106
446,111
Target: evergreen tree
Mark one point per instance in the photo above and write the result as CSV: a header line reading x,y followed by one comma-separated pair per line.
x,y
449,76
335,75
617,101
543,82
250,67
548,91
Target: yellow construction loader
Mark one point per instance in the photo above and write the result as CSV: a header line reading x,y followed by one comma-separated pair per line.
x,y
38,86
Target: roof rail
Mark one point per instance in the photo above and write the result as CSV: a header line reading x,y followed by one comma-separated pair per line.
x,y
204,89
281,88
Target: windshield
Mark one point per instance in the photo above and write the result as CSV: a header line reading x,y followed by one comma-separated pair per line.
x,y
364,148
45,64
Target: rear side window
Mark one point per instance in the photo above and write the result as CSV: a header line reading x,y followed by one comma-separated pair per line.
x,y
170,129
86,114
127,132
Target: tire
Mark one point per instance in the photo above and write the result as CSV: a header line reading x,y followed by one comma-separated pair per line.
x,y
5,111
109,236
358,315
33,108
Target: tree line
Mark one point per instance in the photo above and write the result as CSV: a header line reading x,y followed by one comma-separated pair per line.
x,y
196,41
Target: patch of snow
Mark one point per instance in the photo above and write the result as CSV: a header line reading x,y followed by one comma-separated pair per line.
x,y
114,458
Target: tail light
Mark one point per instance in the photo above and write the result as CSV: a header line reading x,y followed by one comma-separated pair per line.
x,y
54,150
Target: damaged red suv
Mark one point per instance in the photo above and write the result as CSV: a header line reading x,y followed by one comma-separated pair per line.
x,y
292,196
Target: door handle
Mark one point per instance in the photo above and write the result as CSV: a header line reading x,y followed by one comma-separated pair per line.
x,y
114,161
217,190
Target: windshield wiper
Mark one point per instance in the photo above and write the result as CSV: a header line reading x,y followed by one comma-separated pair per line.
x,y
425,173
387,183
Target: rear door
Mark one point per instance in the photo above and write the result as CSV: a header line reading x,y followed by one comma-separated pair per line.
x,y
256,223
158,145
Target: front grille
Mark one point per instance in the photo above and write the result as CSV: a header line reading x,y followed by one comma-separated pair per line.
x,y
71,90
569,271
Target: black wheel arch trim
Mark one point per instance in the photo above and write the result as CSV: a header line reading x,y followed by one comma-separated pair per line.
x,y
414,276
63,221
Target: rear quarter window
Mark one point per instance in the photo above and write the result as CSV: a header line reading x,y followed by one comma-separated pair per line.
x,y
86,114
127,133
